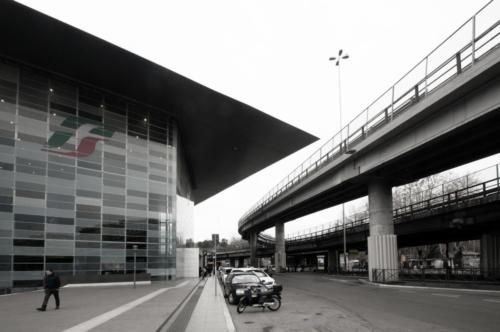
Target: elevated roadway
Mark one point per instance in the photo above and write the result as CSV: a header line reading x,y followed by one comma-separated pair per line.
x,y
466,213
415,129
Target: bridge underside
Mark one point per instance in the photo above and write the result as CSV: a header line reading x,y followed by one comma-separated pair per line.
x,y
443,226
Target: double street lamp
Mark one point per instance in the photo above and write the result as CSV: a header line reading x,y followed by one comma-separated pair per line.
x,y
338,59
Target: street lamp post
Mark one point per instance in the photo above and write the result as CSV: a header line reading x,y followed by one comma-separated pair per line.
x,y
215,240
135,260
338,59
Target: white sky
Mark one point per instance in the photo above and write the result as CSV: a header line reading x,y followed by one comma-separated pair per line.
x,y
273,55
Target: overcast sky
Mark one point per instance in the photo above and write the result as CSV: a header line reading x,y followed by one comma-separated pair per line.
x,y
273,55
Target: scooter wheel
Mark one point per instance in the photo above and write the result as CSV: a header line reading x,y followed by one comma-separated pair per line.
x,y
276,303
241,307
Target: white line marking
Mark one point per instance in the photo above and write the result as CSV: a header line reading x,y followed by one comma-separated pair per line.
x,y
338,280
465,290
104,284
446,295
33,291
101,319
491,300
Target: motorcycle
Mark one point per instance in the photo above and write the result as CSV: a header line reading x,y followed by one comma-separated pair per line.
x,y
260,297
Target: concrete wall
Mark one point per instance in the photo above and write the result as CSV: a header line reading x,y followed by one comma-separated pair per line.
x,y
187,262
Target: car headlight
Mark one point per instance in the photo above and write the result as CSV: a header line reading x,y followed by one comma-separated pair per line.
x,y
240,291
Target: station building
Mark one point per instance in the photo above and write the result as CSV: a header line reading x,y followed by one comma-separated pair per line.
x,y
104,153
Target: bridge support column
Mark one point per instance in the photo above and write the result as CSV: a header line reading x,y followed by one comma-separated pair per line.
x,y
280,251
253,249
333,261
490,254
241,262
382,242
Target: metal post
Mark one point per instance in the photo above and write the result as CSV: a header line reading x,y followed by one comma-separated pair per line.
x,y
345,243
426,72
459,62
215,269
215,239
135,261
339,58
473,55
498,184
340,107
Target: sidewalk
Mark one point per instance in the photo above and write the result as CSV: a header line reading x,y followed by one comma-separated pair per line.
x,y
106,308
211,311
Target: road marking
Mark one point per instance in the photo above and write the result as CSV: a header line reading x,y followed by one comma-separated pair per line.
x,y
338,280
491,300
446,295
106,284
465,290
101,319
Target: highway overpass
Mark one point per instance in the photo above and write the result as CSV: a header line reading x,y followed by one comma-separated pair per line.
x,y
447,118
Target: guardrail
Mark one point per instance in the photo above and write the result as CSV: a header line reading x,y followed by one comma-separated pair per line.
x,y
436,275
437,198
400,96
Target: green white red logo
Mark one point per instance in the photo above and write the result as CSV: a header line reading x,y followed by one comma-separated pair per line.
x,y
91,131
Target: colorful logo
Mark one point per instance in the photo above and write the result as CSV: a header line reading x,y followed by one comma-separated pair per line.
x,y
91,131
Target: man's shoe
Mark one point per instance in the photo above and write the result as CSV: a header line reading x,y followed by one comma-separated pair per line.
x,y
40,309
57,308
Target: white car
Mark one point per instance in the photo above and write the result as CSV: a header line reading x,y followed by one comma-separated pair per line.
x,y
268,281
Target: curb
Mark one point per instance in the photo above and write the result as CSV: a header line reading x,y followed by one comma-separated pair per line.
x,y
181,304
486,291
227,315
105,284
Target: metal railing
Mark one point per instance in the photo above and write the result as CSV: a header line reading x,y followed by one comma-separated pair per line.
x,y
468,275
477,185
400,96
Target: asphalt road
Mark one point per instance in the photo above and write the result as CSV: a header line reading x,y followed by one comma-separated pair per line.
x,y
317,302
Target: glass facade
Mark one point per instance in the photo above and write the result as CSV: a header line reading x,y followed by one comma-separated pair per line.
x,y
84,176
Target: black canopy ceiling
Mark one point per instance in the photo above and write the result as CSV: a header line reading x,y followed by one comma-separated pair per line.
x,y
223,140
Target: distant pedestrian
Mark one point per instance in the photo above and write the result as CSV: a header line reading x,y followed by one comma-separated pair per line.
x,y
204,273
51,284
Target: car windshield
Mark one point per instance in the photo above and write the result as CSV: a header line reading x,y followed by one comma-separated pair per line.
x,y
260,274
245,279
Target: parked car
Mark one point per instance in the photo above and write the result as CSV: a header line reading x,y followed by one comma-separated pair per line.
x,y
226,279
239,280
268,280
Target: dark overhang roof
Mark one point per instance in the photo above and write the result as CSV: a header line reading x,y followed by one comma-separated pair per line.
x,y
224,140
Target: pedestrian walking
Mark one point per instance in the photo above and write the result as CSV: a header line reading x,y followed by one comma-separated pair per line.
x,y
51,284
204,273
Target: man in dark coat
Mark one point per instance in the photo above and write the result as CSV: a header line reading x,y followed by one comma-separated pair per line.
x,y
51,284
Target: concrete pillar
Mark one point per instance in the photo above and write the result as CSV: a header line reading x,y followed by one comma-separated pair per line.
x,y
333,261
253,249
490,254
280,252
232,262
382,242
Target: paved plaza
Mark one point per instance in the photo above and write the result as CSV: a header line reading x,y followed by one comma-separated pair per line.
x,y
311,302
